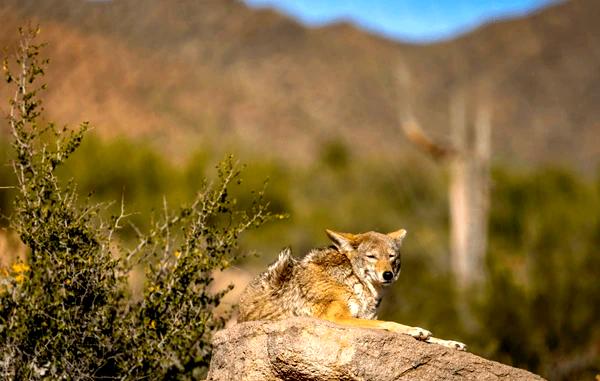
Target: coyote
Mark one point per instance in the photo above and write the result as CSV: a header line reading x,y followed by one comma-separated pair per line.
x,y
343,283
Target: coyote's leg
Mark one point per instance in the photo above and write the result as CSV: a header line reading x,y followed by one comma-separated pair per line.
x,y
338,312
447,343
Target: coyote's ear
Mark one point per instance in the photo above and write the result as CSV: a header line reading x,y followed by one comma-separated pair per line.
x,y
398,235
343,241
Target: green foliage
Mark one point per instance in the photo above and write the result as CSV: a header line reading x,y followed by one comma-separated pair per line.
x,y
544,297
66,313
335,154
68,294
167,335
134,173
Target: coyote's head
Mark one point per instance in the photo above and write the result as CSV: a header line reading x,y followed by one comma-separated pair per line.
x,y
375,257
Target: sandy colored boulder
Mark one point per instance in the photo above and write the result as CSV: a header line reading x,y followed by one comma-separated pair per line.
x,y
303,349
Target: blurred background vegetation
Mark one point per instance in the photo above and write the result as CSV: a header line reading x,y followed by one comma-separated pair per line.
x,y
314,110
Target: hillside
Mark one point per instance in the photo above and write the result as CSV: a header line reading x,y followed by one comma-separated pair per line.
x,y
190,73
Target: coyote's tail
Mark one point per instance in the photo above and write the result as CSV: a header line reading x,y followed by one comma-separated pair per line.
x,y
281,270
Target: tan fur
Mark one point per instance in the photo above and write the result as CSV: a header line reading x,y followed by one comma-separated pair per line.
x,y
343,284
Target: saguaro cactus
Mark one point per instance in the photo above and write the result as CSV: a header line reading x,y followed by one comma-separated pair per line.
x,y
467,157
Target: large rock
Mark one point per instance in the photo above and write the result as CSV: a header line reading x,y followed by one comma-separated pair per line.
x,y
303,349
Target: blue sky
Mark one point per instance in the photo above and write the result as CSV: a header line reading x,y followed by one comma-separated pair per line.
x,y
408,20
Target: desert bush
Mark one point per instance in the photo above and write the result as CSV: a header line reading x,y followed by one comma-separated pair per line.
x,y
65,312
543,300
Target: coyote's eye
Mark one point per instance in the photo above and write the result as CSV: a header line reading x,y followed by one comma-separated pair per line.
x,y
371,256
392,256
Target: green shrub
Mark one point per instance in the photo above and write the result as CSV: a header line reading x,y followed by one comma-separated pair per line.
x,y
543,297
66,313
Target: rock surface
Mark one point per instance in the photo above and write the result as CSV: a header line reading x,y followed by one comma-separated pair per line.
x,y
303,349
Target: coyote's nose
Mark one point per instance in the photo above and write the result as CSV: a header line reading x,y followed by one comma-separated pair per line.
x,y
388,275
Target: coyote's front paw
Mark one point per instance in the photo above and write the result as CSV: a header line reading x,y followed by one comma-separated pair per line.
x,y
419,333
448,343
416,332
455,345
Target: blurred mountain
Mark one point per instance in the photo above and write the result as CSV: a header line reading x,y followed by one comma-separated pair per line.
x,y
219,74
